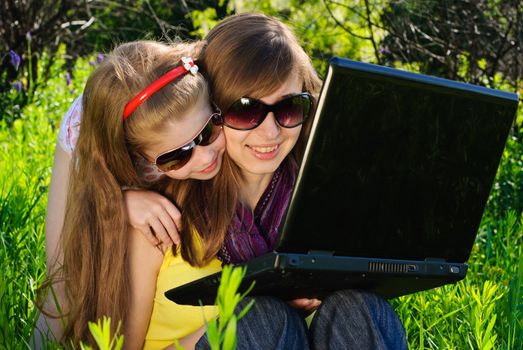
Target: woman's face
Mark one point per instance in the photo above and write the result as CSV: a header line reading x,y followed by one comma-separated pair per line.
x,y
261,150
205,161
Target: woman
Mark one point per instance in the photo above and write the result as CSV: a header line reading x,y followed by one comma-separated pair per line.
x,y
262,81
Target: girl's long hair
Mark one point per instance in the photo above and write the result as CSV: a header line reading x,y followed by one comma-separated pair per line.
x,y
251,55
94,238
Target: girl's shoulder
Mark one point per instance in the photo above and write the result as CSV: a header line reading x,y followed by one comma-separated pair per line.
x,y
70,126
144,257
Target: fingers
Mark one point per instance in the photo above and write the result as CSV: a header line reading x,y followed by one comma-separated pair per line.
x,y
305,304
163,239
155,216
165,228
172,221
148,233
171,231
161,231
165,219
174,214
313,305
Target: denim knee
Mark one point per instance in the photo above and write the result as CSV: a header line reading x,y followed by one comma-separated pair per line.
x,y
352,319
269,324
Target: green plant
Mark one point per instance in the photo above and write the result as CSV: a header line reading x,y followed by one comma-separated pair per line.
x,y
101,332
221,333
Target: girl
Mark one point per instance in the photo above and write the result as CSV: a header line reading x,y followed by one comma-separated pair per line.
x,y
145,103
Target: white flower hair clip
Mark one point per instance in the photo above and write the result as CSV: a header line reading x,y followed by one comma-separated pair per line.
x,y
189,65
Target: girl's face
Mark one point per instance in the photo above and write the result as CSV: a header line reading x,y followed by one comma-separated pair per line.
x,y
205,161
261,150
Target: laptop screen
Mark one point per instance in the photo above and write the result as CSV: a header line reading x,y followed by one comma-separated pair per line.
x,y
398,165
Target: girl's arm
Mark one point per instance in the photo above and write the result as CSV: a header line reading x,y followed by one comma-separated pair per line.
x,y
144,263
56,201
48,328
188,342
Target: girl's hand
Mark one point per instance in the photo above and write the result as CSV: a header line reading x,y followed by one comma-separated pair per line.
x,y
306,306
155,216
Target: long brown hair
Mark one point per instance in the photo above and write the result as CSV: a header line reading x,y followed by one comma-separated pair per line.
x,y
251,55
95,232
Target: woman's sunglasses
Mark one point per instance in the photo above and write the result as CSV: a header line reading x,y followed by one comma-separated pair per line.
x,y
248,113
176,158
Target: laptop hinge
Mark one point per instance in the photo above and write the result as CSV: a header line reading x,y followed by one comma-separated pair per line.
x,y
435,260
321,252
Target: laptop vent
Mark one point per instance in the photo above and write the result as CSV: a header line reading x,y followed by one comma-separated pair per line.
x,y
390,267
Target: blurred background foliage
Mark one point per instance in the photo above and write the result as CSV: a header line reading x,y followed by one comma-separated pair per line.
x,y
476,41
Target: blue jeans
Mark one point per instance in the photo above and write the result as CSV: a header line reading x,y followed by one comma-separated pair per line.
x,y
347,319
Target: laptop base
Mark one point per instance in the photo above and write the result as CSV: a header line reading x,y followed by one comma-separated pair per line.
x,y
290,276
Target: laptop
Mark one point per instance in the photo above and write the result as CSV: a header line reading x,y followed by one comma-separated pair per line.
x,y
390,193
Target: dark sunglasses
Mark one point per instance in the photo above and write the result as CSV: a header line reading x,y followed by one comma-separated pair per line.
x,y
248,113
176,158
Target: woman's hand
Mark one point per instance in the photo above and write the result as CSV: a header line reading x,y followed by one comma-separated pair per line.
x,y
154,216
305,306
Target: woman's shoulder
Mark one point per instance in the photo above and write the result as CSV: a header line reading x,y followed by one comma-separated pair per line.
x,y
70,126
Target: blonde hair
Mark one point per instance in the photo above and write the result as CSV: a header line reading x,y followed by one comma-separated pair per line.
x,y
95,232
247,54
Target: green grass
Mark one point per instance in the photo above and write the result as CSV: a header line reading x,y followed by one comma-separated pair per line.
x,y
26,156
484,311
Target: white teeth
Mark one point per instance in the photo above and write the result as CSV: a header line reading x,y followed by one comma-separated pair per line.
x,y
264,149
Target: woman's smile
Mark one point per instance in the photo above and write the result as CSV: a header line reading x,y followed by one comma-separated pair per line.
x,y
264,152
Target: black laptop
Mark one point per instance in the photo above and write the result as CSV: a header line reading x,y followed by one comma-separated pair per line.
x,y
391,191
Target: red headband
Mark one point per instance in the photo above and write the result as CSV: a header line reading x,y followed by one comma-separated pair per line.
x,y
186,66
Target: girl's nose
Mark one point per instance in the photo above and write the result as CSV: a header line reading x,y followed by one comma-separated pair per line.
x,y
203,155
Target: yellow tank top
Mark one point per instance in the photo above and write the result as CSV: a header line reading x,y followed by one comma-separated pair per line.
x,y
170,321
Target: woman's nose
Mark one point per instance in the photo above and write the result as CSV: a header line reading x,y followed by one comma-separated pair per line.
x,y
269,127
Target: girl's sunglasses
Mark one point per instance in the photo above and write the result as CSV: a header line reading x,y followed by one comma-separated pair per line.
x,y
248,113
176,158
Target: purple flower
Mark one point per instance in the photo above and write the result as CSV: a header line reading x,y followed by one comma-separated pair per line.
x,y
18,86
28,36
384,50
92,63
15,59
68,78
100,58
